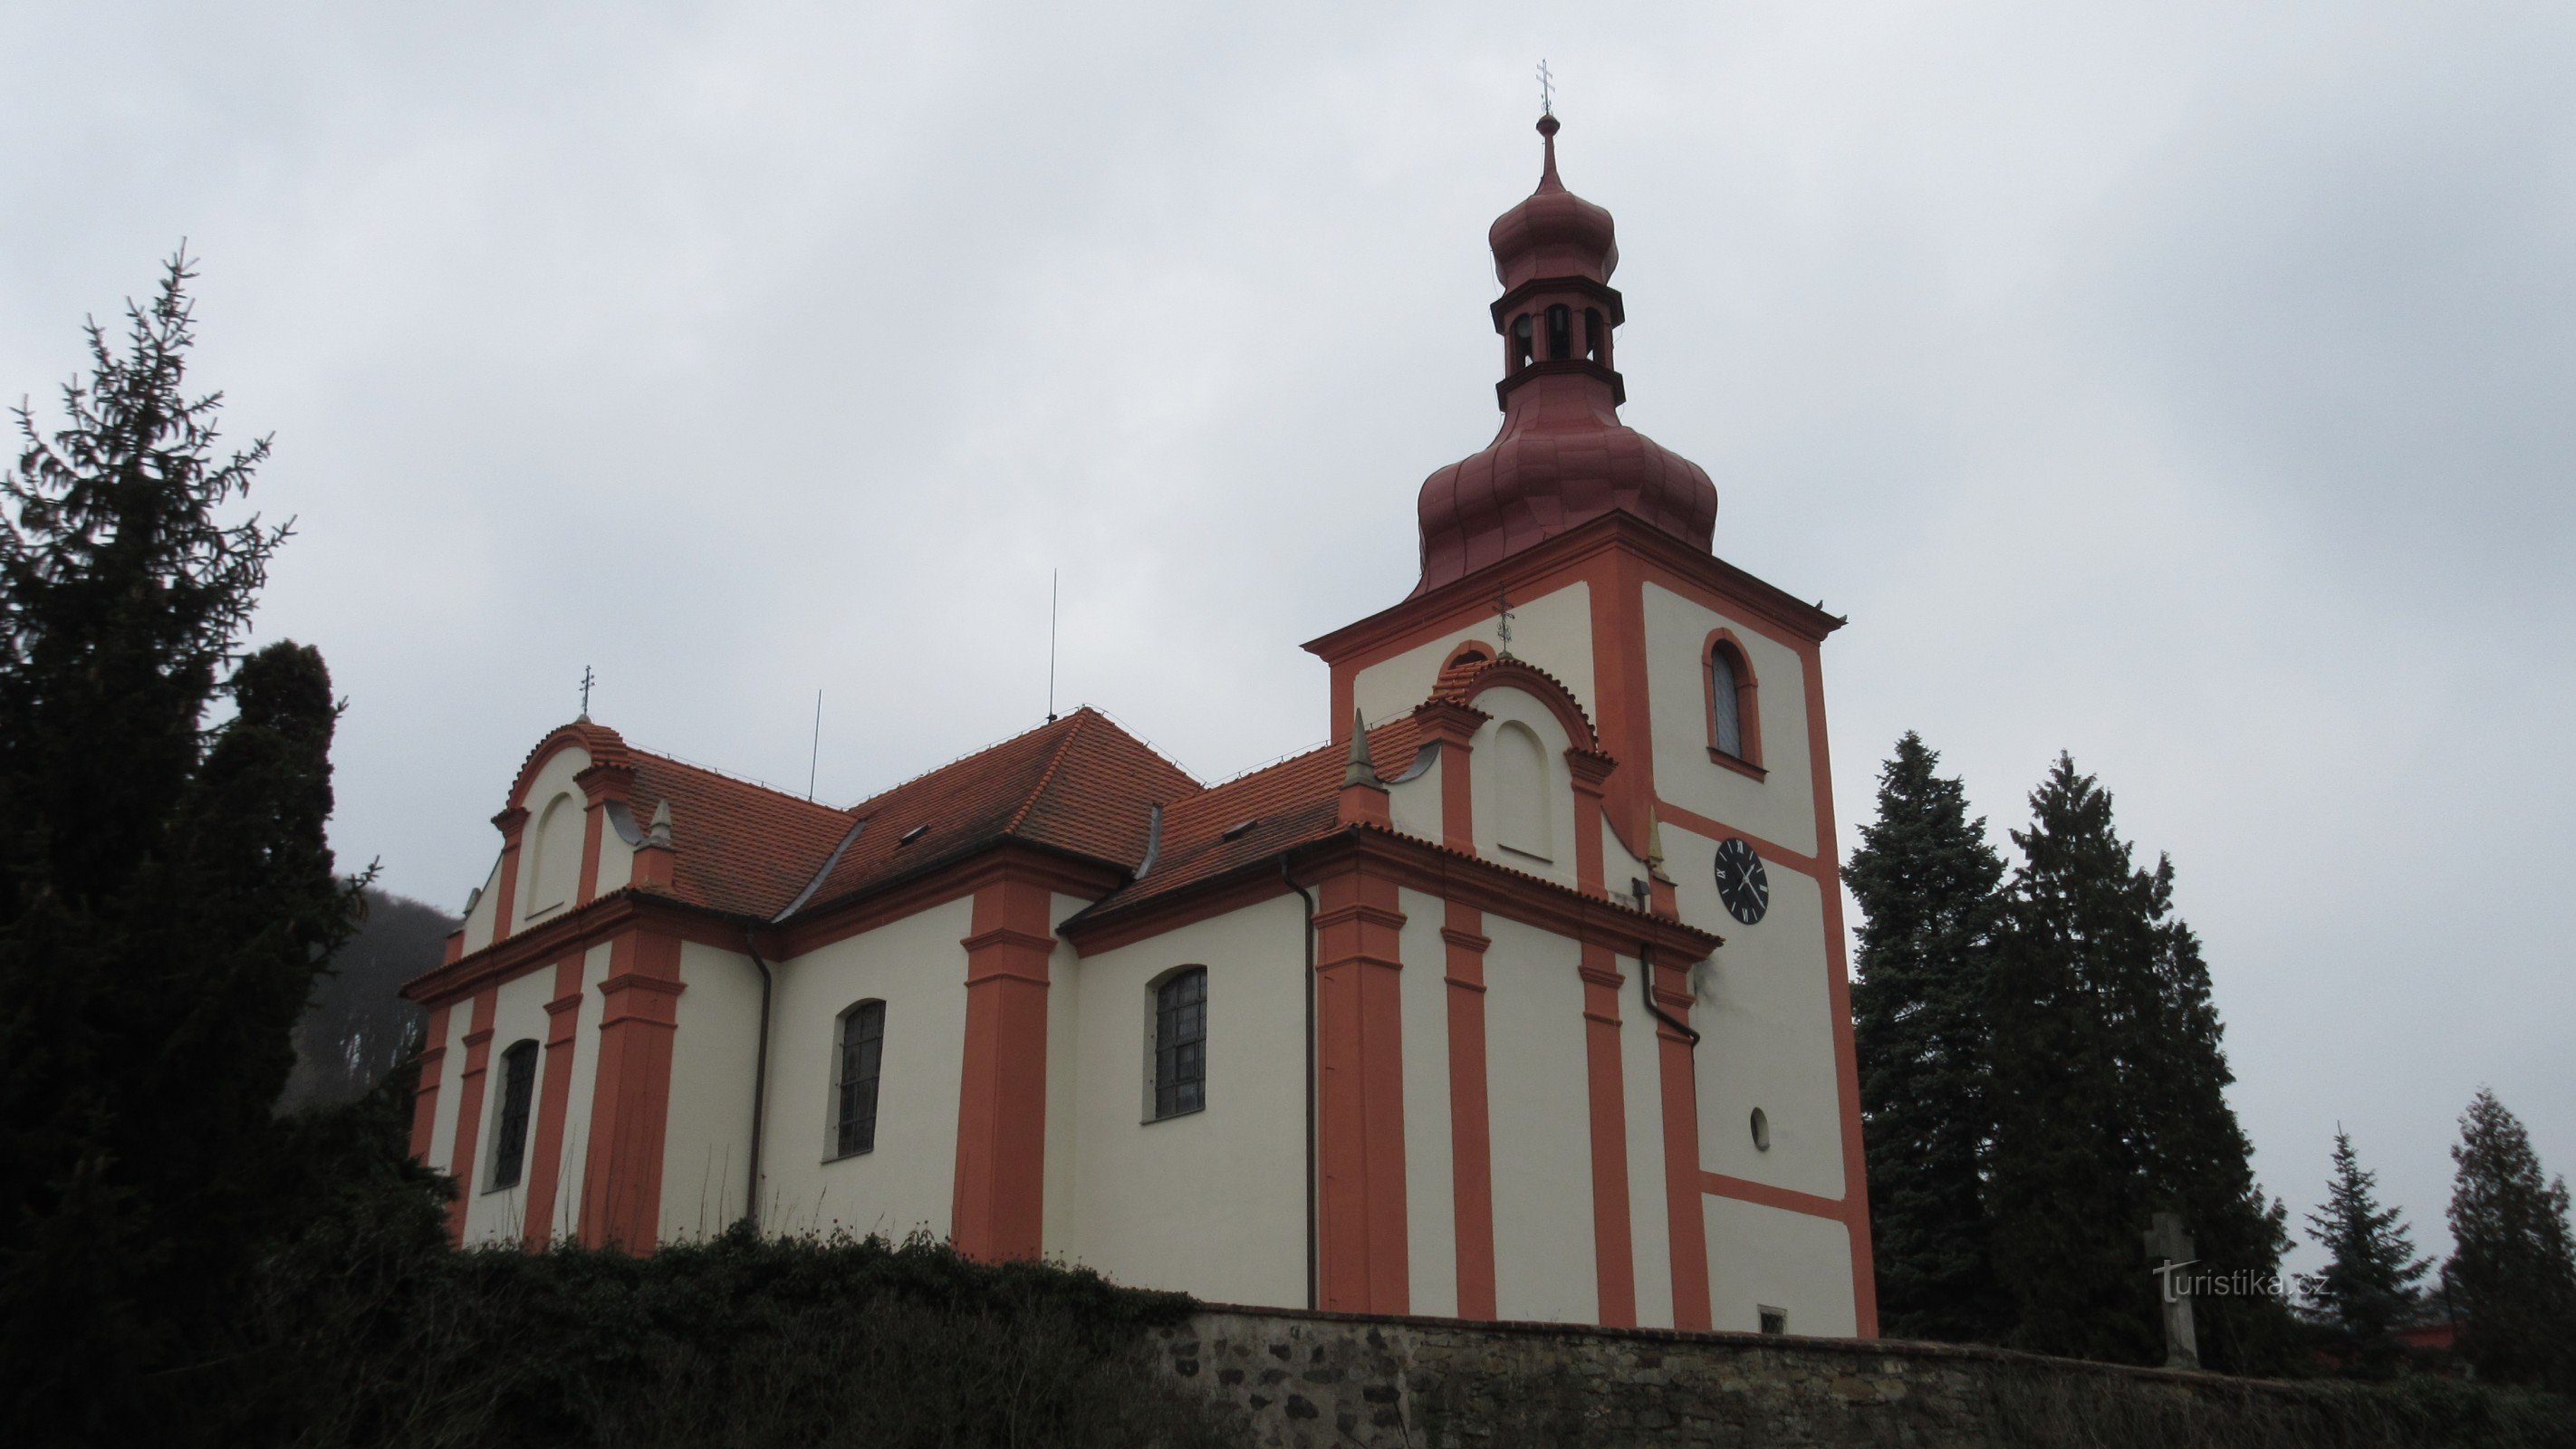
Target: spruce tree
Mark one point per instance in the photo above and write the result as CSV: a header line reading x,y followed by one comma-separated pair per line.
x,y
2108,1092
166,893
1926,879
2511,1272
2370,1286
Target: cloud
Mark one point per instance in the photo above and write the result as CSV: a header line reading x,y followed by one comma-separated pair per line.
x,y
2179,385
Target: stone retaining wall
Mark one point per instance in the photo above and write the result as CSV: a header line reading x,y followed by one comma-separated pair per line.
x,y
1309,1380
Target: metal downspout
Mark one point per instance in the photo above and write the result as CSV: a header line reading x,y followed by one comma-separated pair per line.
x,y
759,1081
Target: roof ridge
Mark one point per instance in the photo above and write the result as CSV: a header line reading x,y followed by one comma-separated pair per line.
x,y
946,765
1047,777
733,779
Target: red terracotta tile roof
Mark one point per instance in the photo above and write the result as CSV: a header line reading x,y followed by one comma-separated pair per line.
x,y
1286,804
1081,785
740,848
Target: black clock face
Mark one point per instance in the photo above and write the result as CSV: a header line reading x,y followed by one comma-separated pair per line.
x,y
1740,881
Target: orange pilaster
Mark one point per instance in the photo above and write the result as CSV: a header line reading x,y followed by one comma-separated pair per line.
x,y
621,1196
505,889
469,1108
1590,770
554,1097
1613,1243
1683,1214
1359,1048
1451,726
999,1206
1471,1142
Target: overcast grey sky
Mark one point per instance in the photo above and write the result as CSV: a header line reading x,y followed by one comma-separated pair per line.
x,y
2186,386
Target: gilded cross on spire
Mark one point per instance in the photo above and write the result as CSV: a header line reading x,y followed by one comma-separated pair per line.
x,y
1546,89
587,680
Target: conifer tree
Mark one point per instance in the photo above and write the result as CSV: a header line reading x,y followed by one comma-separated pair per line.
x,y
166,893
2511,1272
1926,880
2109,1097
2370,1285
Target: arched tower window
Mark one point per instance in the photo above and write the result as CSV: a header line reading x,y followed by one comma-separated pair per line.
x,y
1596,336
1523,821
855,1066
1520,344
1734,718
510,1118
1180,1042
1560,332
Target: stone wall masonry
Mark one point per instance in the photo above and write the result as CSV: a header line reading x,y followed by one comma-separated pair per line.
x,y
1292,1380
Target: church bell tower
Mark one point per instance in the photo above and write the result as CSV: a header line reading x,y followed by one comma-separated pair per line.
x,y
1578,545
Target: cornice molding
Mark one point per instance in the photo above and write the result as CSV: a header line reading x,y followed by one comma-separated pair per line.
x,y
1473,593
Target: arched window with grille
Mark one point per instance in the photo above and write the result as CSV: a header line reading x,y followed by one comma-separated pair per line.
x,y
860,1054
1734,719
510,1116
1180,1042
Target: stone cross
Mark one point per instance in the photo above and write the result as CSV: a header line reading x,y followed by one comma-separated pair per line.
x,y
2170,1249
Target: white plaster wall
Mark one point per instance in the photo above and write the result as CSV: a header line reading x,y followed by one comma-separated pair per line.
x,y
555,830
1058,1215
518,1014
1649,1216
1214,1201
706,1140
451,1091
1767,1027
1765,1255
1414,806
917,967
1539,1101
1430,1201
1619,867
616,857
554,778
1780,807
1552,631
487,902
1508,705
585,1085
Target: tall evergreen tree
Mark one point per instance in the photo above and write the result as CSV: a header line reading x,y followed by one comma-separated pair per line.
x,y
166,893
2511,1272
2108,1091
2370,1286
1926,879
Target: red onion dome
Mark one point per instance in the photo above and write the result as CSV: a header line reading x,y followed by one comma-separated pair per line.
x,y
1562,457
1553,233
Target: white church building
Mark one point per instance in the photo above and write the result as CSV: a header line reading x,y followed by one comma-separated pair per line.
x,y
1523,999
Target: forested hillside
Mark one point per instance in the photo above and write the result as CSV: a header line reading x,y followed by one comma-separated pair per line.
x,y
357,1024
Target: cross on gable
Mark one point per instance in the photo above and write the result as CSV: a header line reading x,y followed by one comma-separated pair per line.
x,y
587,680
1503,623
